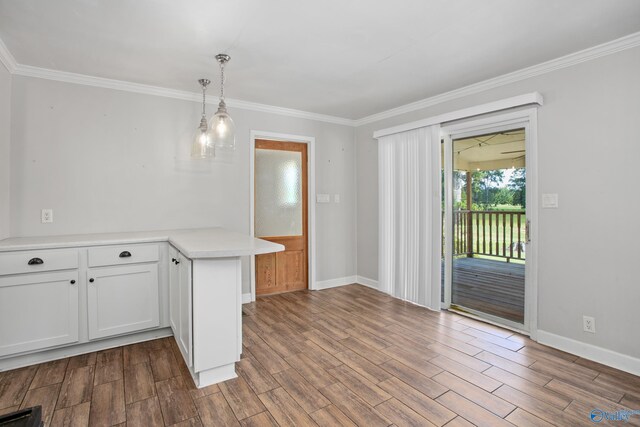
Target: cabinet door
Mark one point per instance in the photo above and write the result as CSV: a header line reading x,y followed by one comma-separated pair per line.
x,y
174,290
122,299
38,311
185,328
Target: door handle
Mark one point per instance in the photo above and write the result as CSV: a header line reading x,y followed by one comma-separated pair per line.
x,y
125,254
527,230
35,261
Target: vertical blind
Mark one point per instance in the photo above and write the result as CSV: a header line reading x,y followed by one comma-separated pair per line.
x,y
410,218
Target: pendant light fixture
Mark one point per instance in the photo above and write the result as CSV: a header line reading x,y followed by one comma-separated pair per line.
x,y
201,146
222,130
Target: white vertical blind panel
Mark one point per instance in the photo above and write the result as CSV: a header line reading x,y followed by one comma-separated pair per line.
x,y
408,171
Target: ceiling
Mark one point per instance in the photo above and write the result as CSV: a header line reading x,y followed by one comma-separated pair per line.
x,y
343,58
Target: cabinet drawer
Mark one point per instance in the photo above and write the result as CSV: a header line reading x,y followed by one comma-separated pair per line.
x,y
52,260
120,255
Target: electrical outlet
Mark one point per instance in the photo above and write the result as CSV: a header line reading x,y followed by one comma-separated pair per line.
x,y
46,216
589,324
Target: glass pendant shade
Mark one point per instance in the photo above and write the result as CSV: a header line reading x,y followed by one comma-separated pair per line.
x,y
222,130
201,146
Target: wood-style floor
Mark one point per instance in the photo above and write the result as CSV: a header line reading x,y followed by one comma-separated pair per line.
x,y
343,356
489,286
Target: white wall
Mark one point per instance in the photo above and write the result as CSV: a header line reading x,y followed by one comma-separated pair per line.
x,y
107,160
589,148
5,129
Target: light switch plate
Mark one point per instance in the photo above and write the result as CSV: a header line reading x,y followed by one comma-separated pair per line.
x,y
323,198
336,198
550,200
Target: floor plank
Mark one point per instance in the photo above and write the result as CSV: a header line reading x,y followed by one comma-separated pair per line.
x,y
144,413
284,409
14,385
401,415
332,416
107,404
242,399
46,397
138,383
428,408
354,407
72,416
214,410
307,396
50,373
76,387
175,400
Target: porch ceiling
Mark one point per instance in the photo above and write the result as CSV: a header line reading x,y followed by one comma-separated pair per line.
x,y
502,150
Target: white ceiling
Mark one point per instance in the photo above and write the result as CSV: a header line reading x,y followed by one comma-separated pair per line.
x,y
346,58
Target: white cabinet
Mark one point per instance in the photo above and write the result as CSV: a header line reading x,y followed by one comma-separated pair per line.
x,y
38,310
122,299
180,303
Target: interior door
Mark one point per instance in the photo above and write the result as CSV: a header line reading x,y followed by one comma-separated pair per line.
x,y
281,215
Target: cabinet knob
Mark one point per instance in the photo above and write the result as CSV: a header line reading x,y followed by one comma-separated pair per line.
x,y
125,254
91,280
35,261
73,282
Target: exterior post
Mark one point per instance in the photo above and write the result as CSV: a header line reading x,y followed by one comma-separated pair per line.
x,y
469,217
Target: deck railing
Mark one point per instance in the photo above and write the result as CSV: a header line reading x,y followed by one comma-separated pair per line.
x,y
492,233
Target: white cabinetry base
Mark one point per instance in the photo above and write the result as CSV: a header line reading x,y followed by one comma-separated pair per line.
x,y
215,375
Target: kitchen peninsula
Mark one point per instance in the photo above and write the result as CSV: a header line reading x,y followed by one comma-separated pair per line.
x,y
67,295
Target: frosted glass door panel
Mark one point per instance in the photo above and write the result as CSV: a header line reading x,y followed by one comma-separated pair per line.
x,y
278,193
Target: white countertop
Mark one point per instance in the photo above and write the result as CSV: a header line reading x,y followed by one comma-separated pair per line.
x,y
193,243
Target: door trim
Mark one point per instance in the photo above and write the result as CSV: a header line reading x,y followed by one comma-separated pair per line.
x,y
311,206
528,119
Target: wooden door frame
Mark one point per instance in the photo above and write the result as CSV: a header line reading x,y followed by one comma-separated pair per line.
x,y
311,191
526,118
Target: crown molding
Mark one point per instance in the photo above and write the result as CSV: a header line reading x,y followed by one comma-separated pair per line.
x,y
588,54
7,58
575,58
105,83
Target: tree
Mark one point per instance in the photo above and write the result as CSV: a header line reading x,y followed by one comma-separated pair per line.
x,y
518,183
484,186
504,196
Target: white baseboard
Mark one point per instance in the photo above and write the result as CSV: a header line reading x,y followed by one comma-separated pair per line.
x,y
588,351
333,283
28,359
367,282
246,298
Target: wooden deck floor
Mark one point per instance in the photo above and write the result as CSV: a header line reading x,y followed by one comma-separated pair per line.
x,y
492,287
344,356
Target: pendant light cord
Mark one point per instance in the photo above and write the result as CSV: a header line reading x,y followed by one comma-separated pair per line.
x,y
222,81
204,99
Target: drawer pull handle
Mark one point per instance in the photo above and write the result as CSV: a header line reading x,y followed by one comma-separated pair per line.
x,y
125,254
91,280
73,282
35,261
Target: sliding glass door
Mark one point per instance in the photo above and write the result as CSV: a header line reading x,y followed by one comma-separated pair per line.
x,y
486,222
